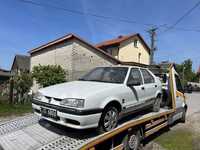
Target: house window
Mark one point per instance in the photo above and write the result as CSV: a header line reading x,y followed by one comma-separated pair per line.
x,y
139,57
109,51
115,52
136,43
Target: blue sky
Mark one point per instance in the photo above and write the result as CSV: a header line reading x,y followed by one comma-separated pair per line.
x,y
24,26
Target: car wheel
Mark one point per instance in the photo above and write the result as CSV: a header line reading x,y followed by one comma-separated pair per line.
x,y
109,119
132,141
183,119
156,106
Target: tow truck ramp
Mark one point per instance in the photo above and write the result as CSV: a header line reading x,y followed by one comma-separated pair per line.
x,y
30,133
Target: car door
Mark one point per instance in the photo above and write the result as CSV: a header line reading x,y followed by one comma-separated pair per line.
x,y
136,92
150,86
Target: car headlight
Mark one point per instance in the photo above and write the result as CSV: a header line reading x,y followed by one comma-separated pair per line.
x,y
79,103
38,96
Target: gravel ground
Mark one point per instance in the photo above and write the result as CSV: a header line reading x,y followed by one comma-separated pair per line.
x,y
3,119
193,101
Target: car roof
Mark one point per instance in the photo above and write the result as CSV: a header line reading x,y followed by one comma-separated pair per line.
x,y
126,66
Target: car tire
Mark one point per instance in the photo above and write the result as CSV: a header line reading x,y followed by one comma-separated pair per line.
x,y
157,103
183,119
109,119
132,141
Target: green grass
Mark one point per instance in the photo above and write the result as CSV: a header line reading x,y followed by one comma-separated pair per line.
x,y
176,140
17,109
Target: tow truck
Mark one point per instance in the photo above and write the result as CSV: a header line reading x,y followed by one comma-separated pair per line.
x,y
128,135
131,133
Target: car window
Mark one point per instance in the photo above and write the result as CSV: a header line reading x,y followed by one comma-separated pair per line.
x,y
135,75
178,84
148,78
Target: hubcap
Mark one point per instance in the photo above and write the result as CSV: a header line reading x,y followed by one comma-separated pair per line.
x,y
110,120
133,141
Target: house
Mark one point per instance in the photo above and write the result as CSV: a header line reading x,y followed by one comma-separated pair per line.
x,y
4,78
4,75
128,48
73,54
78,56
21,63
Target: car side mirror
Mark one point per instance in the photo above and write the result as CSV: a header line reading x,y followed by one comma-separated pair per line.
x,y
133,83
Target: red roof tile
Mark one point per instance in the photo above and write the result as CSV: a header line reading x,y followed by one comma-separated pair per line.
x,y
113,41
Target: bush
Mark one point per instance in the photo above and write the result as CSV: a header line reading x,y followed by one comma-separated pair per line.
x,y
22,85
49,75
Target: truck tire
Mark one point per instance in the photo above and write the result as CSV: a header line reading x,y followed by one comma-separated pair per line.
x,y
132,141
156,105
109,119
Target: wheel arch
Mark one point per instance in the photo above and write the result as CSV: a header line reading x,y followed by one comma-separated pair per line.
x,y
114,103
159,94
186,107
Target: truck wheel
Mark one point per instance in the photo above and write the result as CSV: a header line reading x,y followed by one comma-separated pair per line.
x,y
132,141
109,119
156,106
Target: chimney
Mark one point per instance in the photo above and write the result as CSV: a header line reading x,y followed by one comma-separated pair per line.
x,y
120,36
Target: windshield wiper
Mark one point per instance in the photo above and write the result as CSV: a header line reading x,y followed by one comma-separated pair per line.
x,y
104,81
81,79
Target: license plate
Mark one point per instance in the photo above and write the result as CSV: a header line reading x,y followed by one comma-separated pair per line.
x,y
49,113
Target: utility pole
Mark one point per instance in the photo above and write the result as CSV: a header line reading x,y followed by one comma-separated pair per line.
x,y
152,33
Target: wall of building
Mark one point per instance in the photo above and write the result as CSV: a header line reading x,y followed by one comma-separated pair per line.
x,y
59,54
129,53
85,58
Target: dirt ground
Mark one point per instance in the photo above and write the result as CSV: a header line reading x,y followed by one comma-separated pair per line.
x,y
192,124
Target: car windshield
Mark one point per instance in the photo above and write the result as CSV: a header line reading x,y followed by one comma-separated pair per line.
x,y
106,74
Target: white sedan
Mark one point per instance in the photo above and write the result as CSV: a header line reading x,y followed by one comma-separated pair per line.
x,y
99,98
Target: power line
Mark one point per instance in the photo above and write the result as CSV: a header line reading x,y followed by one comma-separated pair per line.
x,y
182,17
85,13
168,27
186,29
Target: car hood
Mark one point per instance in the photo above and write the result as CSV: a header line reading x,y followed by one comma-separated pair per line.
x,y
77,89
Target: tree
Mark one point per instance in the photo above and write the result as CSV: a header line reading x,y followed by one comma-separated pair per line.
x,y
22,85
49,75
186,73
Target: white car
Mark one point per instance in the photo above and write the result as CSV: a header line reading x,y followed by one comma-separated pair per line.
x,y
99,98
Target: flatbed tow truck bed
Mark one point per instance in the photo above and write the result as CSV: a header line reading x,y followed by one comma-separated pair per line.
x,y
27,133
32,133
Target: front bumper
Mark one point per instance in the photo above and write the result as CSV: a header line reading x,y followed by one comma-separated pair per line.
x,y
78,119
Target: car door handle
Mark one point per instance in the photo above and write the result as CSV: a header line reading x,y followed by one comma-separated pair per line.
x,y
142,88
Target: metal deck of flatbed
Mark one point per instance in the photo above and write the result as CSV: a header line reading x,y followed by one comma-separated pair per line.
x,y
30,133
